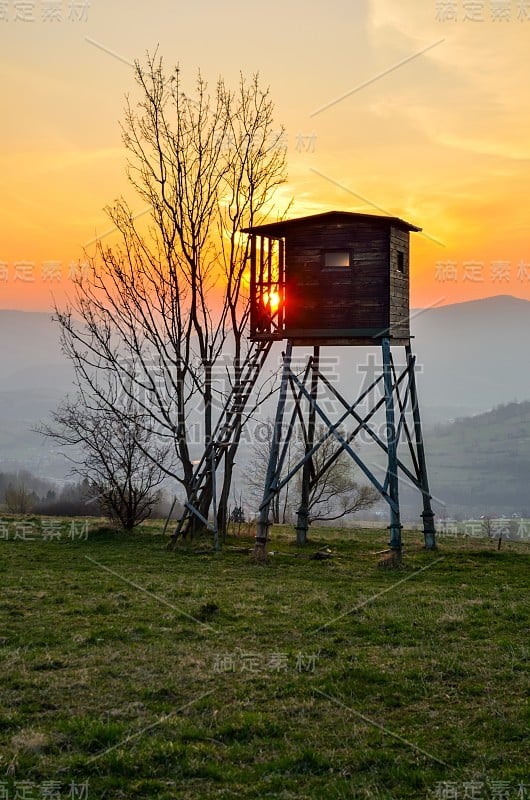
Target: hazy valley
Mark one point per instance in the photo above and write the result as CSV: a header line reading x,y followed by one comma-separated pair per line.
x,y
471,359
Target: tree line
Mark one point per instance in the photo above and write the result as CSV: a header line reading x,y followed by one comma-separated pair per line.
x,y
22,492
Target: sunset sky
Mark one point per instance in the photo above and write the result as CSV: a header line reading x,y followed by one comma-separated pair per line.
x,y
407,108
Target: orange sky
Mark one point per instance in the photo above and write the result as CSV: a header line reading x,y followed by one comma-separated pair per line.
x,y
440,137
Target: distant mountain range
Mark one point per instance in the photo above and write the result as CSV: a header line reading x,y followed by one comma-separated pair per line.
x,y
472,357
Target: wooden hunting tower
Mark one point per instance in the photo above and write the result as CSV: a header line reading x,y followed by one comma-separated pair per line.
x,y
330,279
333,278
338,278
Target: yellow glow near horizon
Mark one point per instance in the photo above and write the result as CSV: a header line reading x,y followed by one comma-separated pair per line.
x,y
439,137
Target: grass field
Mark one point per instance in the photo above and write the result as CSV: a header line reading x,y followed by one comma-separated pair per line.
x,y
131,672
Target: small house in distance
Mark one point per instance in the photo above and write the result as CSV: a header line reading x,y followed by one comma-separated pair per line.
x,y
332,278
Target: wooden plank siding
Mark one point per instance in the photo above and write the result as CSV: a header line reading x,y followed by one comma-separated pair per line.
x,y
399,283
359,303
357,297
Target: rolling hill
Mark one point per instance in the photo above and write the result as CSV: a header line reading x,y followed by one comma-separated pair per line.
x,y
481,465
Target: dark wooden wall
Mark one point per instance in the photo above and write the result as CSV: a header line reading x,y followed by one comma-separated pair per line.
x,y
370,294
399,283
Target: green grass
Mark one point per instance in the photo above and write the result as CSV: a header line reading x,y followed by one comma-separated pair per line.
x,y
198,675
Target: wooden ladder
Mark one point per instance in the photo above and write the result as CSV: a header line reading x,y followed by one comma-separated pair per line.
x,y
226,434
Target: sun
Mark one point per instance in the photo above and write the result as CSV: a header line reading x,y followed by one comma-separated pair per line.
x,y
272,300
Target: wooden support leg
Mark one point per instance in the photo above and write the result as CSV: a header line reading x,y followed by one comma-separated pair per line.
x,y
429,531
262,531
302,522
392,464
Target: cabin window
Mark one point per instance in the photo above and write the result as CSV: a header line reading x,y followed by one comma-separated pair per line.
x,y
401,261
336,259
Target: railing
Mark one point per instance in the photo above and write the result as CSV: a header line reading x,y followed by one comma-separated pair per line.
x,y
267,287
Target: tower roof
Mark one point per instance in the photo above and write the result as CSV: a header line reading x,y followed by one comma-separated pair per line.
x,y
277,229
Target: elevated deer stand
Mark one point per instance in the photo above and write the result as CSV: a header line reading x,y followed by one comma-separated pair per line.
x,y
338,279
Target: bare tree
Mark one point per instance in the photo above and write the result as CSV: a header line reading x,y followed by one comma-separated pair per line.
x,y
256,471
487,526
18,499
164,311
334,493
22,491
115,453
